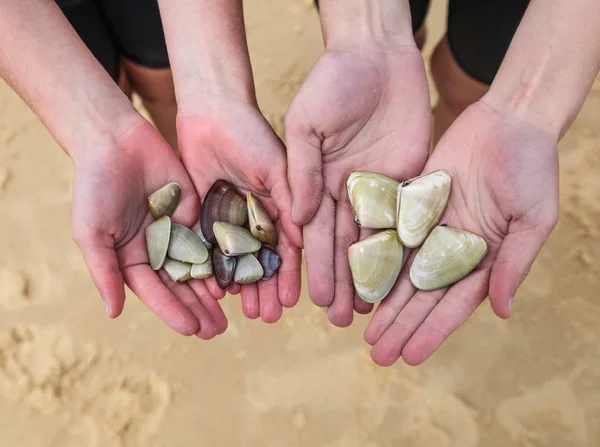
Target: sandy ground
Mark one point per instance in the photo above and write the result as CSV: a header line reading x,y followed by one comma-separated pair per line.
x,y
71,377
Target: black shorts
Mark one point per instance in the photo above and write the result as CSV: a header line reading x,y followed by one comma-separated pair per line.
x,y
116,29
479,31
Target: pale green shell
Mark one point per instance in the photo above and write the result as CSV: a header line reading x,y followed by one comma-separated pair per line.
x,y
373,198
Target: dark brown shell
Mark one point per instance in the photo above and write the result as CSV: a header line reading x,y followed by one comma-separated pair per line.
x,y
222,204
223,267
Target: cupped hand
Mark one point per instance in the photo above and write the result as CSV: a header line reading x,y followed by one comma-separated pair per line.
x,y
504,188
113,180
230,140
360,109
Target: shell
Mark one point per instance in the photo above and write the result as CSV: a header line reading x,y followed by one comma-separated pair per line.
x,y
158,235
222,204
375,263
373,199
261,225
186,246
223,267
202,271
248,270
177,270
269,260
164,201
198,230
234,240
421,204
447,256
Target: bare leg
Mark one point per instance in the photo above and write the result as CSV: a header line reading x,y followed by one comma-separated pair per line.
x,y
457,90
156,89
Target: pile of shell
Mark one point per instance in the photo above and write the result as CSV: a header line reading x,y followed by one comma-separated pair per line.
x,y
413,209
235,240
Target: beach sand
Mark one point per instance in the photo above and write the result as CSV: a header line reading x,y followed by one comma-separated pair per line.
x,y
71,377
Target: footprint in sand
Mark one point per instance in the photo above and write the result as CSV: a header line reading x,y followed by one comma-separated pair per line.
x,y
549,415
24,286
5,176
108,401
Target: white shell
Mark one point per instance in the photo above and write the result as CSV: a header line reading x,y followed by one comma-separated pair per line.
x,y
375,263
373,198
186,246
234,240
202,271
178,271
447,256
248,270
421,204
158,235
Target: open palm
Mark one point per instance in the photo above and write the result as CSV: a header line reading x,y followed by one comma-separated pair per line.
x,y
504,188
360,109
110,215
234,142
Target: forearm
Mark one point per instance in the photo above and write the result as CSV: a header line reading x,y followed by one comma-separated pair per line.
x,y
551,63
208,51
366,21
46,63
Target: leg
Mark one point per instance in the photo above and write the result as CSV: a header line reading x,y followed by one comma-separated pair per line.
x,y
468,57
156,89
138,31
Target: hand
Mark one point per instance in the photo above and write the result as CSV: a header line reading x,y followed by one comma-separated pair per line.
x,y
362,108
505,188
110,214
231,140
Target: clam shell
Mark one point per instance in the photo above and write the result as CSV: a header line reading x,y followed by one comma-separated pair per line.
x,y
163,201
234,240
222,204
375,263
269,260
373,198
223,267
178,271
261,225
158,235
248,270
202,271
186,246
198,230
447,256
421,204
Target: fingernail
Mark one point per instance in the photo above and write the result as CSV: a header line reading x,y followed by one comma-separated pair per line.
x,y
510,304
107,309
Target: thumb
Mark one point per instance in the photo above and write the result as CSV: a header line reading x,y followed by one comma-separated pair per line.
x,y
304,167
101,260
517,253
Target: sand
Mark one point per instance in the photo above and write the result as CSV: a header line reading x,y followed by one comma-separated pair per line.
x,y
71,377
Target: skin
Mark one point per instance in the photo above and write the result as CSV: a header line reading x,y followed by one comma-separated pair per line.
x,y
377,82
119,160
223,135
502,153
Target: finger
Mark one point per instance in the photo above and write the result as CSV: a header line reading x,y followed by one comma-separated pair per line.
x,y
270,307
250,303
148,287
210,304
186,296
341,311
288,274
388,348
304,165
214,289
234,288
389,309
282,196
517,253
458,304
103,265
318,248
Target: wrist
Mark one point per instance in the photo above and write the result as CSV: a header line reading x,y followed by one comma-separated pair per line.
x,y
381,23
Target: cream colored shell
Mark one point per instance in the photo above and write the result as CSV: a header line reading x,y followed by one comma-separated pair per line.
x,y
373,198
